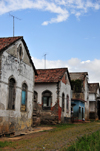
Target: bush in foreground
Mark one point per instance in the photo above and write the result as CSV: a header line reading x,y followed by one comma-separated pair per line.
x,y
86,143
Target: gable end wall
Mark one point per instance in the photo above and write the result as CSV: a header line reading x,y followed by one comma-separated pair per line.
x,y
15,120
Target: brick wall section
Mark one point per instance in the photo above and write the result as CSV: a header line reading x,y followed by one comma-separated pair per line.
x,y
64,79
52,116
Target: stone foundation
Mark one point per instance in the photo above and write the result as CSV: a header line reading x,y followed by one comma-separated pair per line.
x,y
12,125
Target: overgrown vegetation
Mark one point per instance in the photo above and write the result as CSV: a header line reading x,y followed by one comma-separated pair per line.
x,y
77,85
87,143
60,138
4,144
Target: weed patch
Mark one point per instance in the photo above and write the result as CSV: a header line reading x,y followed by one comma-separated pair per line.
x,y
4,144
61,127
86,143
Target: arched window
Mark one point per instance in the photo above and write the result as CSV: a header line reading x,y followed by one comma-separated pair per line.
x,y
12,94
24,97
67,103
63,96
46,100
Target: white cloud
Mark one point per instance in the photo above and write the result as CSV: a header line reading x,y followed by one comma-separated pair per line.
x,y
62,8
77,14
73,65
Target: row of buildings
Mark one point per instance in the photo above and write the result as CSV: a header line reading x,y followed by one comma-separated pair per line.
x,y
29,97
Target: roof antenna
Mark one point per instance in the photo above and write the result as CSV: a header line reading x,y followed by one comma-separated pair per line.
x,y
45,61
13,22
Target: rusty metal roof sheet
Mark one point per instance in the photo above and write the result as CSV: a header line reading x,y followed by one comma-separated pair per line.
x,y
78,75
93,87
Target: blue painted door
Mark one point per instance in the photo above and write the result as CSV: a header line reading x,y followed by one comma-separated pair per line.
x,y
23,97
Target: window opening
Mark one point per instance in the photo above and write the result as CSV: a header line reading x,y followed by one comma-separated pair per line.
x,y
67,103
46,100
63,101
12,95
24,97
20,51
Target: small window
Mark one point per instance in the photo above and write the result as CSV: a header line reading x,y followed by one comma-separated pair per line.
x,y
24,97
20,51
46,100
12,94
67,103
63,96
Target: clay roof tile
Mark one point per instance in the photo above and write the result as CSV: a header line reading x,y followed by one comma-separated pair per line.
x,y
49,75
7,41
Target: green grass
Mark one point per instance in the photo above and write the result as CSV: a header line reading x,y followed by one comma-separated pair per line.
x,y
4,144
86,143
59,138
61,127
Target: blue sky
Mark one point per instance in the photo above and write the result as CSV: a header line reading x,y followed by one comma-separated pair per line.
x,y
68,31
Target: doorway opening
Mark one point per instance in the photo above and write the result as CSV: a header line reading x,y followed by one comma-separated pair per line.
x,y
98,104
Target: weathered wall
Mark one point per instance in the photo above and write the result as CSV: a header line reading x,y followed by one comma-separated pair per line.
x,y
56,112
83,96
92,97
43,87
21,71
65,88
76,114
93,109
79,96
86,93
92,106
46,116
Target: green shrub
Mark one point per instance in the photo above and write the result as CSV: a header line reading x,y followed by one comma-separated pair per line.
x,y
87,143
4,144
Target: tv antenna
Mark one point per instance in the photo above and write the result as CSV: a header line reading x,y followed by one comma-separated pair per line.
x,y
45,61
13,22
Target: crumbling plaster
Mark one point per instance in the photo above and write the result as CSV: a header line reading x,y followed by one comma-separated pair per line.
x,y
56,105
86,96
21,71
66,89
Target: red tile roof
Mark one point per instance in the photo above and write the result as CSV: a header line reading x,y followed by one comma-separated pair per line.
x,y
50,75
7,41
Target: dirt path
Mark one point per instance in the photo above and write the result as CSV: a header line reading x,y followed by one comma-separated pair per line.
x,y
54,140
25,135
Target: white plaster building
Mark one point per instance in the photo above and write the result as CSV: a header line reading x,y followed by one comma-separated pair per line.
x,y
53,93
94,103
17,73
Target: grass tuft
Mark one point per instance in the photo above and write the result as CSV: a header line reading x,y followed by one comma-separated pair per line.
x,y
4,144
86,143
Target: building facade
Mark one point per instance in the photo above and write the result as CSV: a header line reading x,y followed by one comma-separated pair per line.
x,y
80,95
94,105
53,93
17,73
